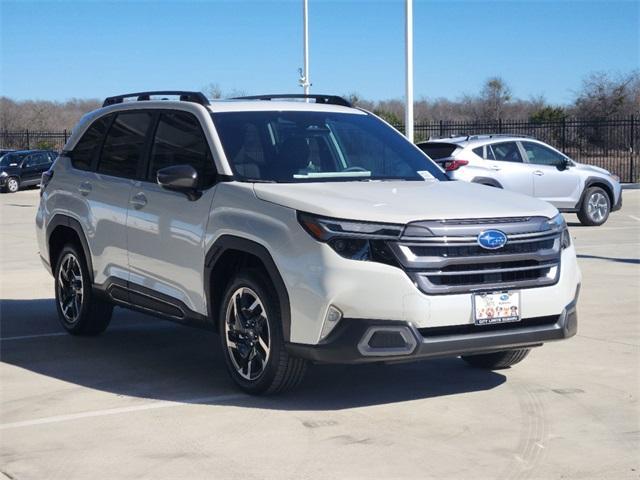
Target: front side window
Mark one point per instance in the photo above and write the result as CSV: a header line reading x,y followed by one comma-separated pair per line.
x,y
179,140
123,147
506,152
541,155
301,146
88,147
12,159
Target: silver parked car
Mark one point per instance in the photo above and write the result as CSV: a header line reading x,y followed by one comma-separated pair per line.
x,y
528,166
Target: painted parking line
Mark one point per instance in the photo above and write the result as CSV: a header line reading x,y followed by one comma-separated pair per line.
x,y
121,410
635,218
39,335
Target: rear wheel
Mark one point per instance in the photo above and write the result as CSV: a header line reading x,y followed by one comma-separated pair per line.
x,y
252,338
80,313
497,360
595,207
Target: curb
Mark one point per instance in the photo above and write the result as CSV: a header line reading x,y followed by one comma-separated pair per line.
x,y
631,186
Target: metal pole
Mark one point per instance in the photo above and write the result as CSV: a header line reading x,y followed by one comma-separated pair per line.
x,y
408,118
304,78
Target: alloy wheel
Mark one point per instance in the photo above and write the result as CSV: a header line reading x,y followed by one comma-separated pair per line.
x,y
12,185
248,337
70,288
597,207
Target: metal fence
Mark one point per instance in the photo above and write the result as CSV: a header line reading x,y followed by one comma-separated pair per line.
x,y
612,144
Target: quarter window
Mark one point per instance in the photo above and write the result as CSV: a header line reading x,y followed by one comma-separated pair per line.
x,y
123,147
179,140
88,148
541,155
506,152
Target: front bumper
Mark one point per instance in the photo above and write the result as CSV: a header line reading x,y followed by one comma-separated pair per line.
x,y
618,204
351,341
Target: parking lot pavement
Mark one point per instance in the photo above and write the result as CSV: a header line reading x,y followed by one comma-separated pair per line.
x,y
150,399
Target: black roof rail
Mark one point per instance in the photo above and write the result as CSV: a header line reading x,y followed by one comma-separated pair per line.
x,y
326,99
196,97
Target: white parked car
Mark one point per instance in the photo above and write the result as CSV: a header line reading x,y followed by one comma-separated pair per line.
x,y
528,166
301,232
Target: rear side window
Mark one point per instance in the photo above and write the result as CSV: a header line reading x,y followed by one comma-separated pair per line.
x,y
88,148
506,152
438,150
124,144
179,140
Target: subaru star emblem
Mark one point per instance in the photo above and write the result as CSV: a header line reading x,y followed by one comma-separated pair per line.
x,y
492,239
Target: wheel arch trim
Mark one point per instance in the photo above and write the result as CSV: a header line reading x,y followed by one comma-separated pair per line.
x,y
225,243
61,220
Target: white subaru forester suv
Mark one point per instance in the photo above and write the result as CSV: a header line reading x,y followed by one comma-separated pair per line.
x,y
302,231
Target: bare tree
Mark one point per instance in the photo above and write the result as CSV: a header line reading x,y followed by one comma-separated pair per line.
x,y
604,95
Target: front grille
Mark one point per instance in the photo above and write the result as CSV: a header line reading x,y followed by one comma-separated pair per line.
x,y
448,259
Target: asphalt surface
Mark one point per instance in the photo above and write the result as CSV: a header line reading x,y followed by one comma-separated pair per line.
x,y
150,399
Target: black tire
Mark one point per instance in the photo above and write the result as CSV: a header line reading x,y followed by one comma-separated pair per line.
x,y
87,315
280,371
12,185
497,360
590,215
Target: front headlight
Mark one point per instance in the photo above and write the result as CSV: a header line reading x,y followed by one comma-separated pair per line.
x,y
4,174
559,224
353,239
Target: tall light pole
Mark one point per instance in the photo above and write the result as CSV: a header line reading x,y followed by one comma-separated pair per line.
x,y
304,72
408,30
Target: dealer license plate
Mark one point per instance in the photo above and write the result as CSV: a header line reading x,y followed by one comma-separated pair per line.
x,y
496,307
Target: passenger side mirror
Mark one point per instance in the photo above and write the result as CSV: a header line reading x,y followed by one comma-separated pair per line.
x,y
180,178
564,164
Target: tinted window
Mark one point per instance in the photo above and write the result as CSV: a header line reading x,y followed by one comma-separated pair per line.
x,y
542,155
318,146
179,140
478,151
124,144
12,159
506,152
88,148
37,159
437,150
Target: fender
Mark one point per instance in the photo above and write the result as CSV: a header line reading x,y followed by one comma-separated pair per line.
x,y
66,221
589,182
487,181
231,242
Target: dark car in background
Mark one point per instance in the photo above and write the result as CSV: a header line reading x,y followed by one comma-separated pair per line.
x,y
23,168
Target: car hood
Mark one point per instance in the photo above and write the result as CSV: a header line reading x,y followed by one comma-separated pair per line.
x,y
402,202
592,168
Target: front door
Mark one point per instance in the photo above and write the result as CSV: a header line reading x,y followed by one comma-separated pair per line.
x,y
553,181
165,229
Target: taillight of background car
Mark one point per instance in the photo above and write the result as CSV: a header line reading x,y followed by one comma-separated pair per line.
x,y
451,165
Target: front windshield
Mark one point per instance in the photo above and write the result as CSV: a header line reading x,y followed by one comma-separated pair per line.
x,y
11,159
301,146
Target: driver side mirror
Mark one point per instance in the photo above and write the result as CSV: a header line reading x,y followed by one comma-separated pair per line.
x,y
180,178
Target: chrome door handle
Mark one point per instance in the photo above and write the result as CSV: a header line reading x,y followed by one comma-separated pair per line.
x,y
85,188
138,201
538,172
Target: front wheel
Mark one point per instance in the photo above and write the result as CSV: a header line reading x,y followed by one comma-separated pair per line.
x,y
497,360
252,338
13,185
595,207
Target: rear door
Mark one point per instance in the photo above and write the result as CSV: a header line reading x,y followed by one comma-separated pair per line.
x,y
507,166
107,192
165,229
32,168
551,180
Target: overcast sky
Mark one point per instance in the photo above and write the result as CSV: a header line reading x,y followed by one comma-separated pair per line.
x,y
58,50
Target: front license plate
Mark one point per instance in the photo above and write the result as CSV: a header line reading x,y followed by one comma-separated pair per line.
x,y
496,307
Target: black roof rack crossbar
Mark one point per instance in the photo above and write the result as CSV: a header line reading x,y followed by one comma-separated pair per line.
x,y
196,97
326,99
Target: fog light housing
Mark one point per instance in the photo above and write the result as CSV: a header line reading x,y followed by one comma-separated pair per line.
x,y
331,319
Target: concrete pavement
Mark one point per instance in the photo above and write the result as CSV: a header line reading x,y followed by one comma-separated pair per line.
x,y
150,399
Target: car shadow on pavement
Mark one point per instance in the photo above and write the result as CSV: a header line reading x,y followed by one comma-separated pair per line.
x,y
633,261
140,356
